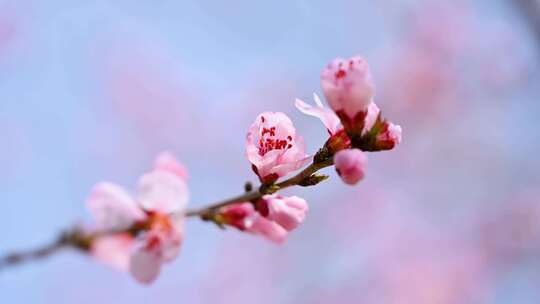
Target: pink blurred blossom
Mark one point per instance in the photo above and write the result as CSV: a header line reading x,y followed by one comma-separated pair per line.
x,y
273,147
113,250
351,165
160,192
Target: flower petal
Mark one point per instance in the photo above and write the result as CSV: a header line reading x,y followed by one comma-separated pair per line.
x,y
144,264
166,161
329,119
257,224
172,241
371,117
113,207
163,192
288,212
113,250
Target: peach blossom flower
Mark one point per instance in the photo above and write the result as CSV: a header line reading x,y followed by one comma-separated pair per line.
x,y
161,193
273,147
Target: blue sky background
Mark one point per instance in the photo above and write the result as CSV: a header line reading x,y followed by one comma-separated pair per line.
x,y
94,90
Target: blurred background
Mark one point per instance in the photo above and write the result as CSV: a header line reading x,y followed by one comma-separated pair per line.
x,y
93,90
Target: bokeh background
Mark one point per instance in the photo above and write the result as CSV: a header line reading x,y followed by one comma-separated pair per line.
x,y
93,90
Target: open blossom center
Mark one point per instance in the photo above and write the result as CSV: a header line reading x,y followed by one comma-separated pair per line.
x,y
268,141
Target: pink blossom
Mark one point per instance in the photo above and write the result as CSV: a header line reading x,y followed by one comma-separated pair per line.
x,y
288,212
244,217
329,119
351,165
161,192
348,86
273,147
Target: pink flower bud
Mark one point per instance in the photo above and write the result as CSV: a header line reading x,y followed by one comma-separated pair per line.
x,y
348,86
273,147
351,165
244,217
236,215
389,137
288,212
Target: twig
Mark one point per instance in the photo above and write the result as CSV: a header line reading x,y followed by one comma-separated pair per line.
x,y
78,239
262,190
39,253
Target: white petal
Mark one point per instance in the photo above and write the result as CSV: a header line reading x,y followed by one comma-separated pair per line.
x,y
166,161
113,250
145,265
329,119
162,192
317,100
113,207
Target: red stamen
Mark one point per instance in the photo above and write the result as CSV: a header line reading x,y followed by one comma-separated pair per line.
x,y
340,74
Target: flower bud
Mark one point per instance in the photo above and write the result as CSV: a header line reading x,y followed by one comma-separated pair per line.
x,y
244,217
349,89
351,165
288,212
235,215
388,137
338,141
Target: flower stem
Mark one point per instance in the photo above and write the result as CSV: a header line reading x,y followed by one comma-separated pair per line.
x,y
262,190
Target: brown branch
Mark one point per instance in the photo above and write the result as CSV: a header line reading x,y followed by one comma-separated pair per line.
x,y
78,239
30,255
263,190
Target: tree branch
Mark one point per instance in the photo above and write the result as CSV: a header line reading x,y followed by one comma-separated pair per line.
x,y
78,239
263,190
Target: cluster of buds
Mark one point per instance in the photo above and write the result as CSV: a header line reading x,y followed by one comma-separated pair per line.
x,y
354,121
140,234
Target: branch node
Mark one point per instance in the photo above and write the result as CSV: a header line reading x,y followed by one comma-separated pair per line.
x,y
312,180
